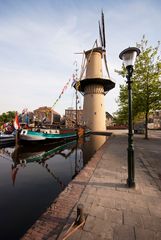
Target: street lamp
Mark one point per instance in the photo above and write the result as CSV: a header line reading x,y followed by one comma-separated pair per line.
x,y
129,56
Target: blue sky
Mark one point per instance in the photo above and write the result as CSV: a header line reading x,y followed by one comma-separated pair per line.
x,y
38,40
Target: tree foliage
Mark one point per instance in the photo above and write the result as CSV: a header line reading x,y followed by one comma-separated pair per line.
x,y
146,84
7,117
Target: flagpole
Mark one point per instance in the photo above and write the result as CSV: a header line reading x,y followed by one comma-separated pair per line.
x,y
76,93
17,127
76,110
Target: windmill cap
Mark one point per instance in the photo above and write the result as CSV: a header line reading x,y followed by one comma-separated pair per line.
x,y
97,49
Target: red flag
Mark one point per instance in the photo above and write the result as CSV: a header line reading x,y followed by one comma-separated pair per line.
x,y
16,122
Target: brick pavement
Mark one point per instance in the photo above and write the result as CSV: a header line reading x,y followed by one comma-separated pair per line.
x,y
113,211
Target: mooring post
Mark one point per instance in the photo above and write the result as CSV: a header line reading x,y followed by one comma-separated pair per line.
x,y
80,213
17,137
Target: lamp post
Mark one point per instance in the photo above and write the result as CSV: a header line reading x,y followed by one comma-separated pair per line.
x,y
128,56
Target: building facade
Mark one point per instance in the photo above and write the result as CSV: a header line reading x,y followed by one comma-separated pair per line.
x,y
46,115
109,120
154,121
71,118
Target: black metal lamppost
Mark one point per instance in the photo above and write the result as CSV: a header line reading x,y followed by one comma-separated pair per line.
x,y
129,56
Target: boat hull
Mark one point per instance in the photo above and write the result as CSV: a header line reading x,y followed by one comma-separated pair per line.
x,y
31,137
28,137
7,139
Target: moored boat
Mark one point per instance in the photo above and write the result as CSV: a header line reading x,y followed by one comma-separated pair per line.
x,y
49,135
6,138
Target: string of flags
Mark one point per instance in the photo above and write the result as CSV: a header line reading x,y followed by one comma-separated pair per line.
x,y
78,102
62,92
76,83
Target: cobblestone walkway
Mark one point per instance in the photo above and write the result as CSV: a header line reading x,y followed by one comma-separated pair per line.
x,y
114,212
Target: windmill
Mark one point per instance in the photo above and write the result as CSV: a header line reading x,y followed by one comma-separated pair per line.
x,y
93,84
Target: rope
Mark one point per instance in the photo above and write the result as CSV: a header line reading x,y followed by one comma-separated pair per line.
x,y
73,228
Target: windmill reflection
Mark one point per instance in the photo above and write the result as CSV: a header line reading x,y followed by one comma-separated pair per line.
x,y
92,145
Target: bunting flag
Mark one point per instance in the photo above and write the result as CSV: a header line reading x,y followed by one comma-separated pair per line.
x,y
77,85
62,92
24,111
16,122
73,83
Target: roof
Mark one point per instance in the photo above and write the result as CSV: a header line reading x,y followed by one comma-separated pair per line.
x,y
45,109
109,115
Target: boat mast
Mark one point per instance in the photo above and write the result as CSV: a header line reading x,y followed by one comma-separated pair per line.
x,y
76,96
76,117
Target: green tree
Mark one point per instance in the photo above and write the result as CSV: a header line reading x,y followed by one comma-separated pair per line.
x,y
146,85
7,117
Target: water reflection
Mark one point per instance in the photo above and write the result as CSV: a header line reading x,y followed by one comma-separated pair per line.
x,y
91,146
22,156
31,178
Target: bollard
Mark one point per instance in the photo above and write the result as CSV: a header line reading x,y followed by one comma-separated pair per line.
x,y
80,213
77,224
17,137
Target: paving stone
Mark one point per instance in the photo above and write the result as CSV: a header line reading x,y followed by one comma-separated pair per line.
x,y
152,223
114,216
104,202
158,235
98,226
90,236
122,204
98,211
144,234
137,209
155,210
123,232
131,218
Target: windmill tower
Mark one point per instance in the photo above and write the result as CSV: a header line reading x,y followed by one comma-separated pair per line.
x,y
94,85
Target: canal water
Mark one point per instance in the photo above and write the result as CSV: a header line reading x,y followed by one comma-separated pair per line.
x,y
31,178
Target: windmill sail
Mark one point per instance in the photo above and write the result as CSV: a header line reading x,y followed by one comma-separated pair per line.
x,y
100,33
103,41
106,66
103,31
